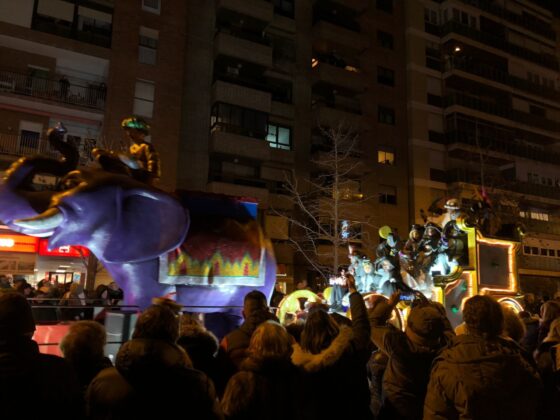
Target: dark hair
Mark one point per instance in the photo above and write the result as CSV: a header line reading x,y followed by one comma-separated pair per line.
x,y
99,290
483,316
158,322
254,301
319,332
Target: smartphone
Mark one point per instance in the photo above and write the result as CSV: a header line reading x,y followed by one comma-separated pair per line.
x,y
407,296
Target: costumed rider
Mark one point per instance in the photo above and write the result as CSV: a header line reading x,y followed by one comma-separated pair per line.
x,y
387,264
142,161
411,249
451,240
339,290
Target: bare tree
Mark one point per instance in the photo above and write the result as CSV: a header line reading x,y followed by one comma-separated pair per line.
x,y
93,267
329,210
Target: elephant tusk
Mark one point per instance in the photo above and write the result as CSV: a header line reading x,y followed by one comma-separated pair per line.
x,y
49,219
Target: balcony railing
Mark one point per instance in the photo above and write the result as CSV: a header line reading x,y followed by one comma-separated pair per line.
x,y
86,95
502,111
500,146
537,26
92,34
525,188
546,60
489,72
17,146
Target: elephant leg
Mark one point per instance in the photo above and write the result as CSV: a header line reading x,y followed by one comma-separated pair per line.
x,y
139,281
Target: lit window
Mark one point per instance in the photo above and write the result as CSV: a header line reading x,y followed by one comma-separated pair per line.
x,y
279,137
314,62
385,157
144,98
147,50
152,6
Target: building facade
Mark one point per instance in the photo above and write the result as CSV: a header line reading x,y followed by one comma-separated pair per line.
x,y
484,105
264,81
89,65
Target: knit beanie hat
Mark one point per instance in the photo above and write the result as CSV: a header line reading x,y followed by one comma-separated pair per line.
x,y
15,315
426,322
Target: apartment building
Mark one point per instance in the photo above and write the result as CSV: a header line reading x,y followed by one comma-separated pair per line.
x,y
483,107
263,78
90,64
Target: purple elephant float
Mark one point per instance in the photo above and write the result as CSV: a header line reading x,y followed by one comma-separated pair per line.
x,y
206,251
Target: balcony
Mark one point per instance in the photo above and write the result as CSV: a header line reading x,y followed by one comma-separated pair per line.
x,y
259,9
230,143
502,111
538,263
496,75
283,110
18,146
535,25
91,34
244,49
520,187
330,116
239,95
331,37
83,93
358,6
337,76
545,60
238,187
500,146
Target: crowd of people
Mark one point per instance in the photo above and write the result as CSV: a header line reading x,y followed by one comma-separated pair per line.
x,y
496,365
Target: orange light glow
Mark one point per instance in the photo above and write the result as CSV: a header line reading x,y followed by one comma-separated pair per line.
x,y
18,243
512,270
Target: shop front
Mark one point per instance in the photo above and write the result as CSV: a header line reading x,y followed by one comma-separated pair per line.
x,y
64,264
18,255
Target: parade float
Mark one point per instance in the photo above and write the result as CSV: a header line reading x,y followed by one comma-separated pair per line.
x,y
448,259
205,251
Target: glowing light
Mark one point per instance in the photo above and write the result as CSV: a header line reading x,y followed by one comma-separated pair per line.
x,y
511,303
512,277
291,303
7,242
314,62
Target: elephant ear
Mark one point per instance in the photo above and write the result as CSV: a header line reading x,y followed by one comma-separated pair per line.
x,y
149,223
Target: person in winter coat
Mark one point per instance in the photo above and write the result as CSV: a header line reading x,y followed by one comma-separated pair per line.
x,y
265,386
83,348
332,360
23,367
410,353
482,375
549,312
529,340
545,356
152,375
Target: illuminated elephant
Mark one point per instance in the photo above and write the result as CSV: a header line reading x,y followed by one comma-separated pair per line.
x,y
136,230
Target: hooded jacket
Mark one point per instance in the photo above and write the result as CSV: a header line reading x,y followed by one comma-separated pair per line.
x,y
334,381
150,378
476,378
262,390
408,370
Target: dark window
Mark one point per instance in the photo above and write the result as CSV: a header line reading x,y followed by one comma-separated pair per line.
x,y
385,40
387,194
543,251
534,250
436,137
385,5
385,76
551,253
238,120
29,140
537,110
435,100
527,250
386,115
284,8
437,175
279,137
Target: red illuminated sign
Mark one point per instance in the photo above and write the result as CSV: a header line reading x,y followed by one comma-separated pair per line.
x,y
18,243
63,251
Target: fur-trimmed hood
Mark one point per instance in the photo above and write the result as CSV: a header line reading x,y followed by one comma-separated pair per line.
x,y
328,357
